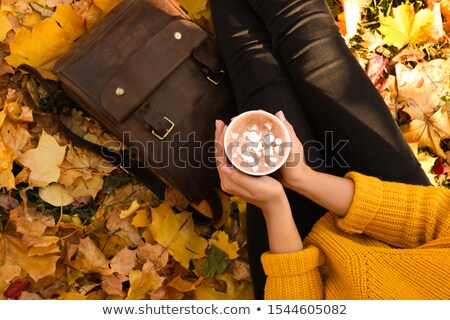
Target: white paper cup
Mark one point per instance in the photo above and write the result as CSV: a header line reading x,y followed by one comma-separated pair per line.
x,y
237,146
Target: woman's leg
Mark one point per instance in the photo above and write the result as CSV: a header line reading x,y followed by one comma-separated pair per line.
x,y
260,83
338,98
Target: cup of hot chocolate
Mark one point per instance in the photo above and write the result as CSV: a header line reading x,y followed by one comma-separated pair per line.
x,y
257,142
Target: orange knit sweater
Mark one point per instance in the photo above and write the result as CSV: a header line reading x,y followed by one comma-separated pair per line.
x,y
394,243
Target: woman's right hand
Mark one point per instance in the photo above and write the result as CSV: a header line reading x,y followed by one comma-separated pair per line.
x,y
295,170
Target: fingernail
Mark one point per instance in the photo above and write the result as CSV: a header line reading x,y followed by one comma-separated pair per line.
x,y
227,169
217,123
281,116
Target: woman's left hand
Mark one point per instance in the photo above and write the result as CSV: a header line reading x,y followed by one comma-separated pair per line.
x,y
264,192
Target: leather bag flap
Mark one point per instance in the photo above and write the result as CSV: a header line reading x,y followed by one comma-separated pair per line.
x,y
149,66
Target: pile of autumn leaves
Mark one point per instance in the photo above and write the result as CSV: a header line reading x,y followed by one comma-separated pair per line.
x,y
132,246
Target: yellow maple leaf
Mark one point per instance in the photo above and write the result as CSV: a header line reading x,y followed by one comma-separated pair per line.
x,y
44,161
69,21
5,25
430,132
39,48
221,239
144,282
176,232
406,26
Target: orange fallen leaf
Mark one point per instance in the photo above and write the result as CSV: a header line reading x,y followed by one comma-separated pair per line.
x,y
143,282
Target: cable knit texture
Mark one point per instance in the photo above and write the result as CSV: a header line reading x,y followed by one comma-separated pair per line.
x,y
394,243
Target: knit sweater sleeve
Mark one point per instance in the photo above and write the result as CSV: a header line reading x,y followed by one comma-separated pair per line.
x,y
293,276
401,215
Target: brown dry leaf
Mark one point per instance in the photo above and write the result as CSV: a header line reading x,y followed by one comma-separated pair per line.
x,y
122,228
113,284
16,136
44,161
19,113
30,222
430,132
418,95
7,156
90,259
176,232
37,267
89,187
124,261
240,270
7,273
175,198
144,282
154,253
39,48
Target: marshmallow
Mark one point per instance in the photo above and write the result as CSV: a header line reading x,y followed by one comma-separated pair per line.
x,y
254,137
269,138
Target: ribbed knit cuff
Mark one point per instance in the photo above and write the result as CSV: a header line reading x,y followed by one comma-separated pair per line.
x,y
291,264
366,203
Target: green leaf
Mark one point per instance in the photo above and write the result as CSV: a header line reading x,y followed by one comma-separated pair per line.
x,y
215,262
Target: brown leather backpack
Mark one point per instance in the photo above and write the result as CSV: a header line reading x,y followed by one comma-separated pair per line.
x,y
154,79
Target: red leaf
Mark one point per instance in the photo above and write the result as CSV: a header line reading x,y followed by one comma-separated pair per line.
x,y
15,289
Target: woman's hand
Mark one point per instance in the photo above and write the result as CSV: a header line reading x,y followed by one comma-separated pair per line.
x,y
331,192
295,170
264,192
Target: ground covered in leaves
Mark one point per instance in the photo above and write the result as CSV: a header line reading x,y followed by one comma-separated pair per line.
x,y
74,227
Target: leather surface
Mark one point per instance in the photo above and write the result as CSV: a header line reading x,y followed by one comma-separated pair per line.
x,y
134,47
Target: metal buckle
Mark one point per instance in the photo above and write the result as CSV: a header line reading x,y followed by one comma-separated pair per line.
x,y
218,76
167,131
